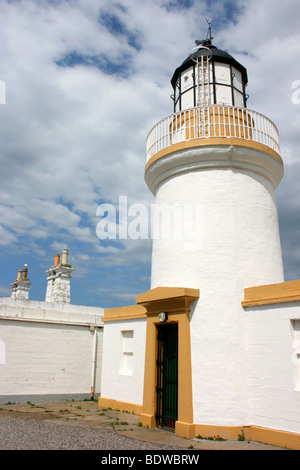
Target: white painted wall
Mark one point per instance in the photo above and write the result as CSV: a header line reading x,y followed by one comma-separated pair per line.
x,y
47,349
117,383
274,365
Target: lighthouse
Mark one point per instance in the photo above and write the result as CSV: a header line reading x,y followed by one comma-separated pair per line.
x,y
213,167
212,348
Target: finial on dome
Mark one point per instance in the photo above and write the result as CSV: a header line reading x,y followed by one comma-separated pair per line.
x,y
209,37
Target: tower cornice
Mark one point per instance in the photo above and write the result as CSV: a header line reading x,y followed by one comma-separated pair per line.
x,y
214,153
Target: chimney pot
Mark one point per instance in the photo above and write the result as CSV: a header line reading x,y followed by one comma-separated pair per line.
x,y
65,256
56,259
24,272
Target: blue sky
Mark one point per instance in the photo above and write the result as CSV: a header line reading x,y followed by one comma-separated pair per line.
x,y
85,82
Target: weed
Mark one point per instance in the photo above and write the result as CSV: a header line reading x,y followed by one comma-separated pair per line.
x,y
211,438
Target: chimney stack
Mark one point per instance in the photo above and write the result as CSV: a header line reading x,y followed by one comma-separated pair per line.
x,y
20,287
58,280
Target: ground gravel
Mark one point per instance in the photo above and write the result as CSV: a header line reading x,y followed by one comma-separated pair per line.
x,y
22,434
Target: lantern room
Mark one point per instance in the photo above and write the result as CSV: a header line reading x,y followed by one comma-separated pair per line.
x,y
209,76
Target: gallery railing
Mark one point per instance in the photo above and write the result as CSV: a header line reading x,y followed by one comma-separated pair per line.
x,y
211,122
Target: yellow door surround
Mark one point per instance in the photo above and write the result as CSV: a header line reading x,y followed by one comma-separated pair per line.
x,y
176,303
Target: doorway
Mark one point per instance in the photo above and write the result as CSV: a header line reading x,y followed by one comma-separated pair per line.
x,y
167,376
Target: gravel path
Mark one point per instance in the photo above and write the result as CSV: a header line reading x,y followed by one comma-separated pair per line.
x,y
22,434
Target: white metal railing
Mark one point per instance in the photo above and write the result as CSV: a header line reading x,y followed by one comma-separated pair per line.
x,y
212,121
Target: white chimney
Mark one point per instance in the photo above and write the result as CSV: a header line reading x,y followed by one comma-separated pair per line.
x,y
58,280
20,287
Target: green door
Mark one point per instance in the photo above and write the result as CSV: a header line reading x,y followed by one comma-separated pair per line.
x,y
167,376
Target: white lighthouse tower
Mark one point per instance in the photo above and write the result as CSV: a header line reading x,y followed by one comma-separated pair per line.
x,y
212,349
213,167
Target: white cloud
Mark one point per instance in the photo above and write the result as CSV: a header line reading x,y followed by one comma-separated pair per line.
x,y
6,237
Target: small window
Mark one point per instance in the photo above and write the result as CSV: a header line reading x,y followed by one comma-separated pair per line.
x,y
126,359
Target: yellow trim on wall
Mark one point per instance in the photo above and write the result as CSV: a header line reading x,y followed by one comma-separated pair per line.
x,y
274,437
209,141
288,440
120,405
272,294
208,431
131,312
176,302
